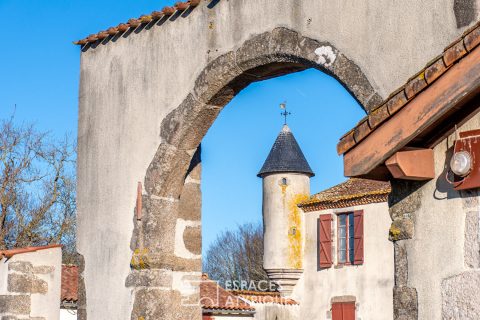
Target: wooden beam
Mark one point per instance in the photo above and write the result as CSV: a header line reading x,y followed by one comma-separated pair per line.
x,y
412,165
456,87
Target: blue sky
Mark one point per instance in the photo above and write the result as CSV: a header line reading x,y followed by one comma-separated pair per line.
x,y
39,71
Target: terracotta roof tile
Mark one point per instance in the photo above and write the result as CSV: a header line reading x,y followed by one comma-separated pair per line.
x,y
69,291
264,297
429,74
353,192
214,297
136,22
10,253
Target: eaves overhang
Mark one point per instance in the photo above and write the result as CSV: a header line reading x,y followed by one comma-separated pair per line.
x,y
424,119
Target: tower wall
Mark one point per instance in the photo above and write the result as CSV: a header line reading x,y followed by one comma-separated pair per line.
x,y
284,226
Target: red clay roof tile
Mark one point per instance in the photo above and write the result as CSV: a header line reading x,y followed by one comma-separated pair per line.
x,y
264,297
353,192
10,253
432,71
69,291
214,297
135,22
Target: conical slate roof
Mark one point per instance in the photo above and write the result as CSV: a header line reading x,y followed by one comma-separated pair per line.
x,y
286,156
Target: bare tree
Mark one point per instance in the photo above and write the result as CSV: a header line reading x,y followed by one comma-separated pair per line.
x,y
237,256
37,189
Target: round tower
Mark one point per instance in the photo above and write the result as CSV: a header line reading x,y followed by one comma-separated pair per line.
x,y
286,182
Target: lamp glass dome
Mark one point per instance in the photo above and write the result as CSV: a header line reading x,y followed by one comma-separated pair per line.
x,y
461,163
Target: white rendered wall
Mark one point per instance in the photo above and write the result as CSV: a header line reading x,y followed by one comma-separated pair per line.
x,y
280,213
371,283
274,311
42,305
436,252
66,314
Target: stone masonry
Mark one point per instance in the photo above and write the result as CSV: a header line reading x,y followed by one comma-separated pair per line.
x,y
23,282
149,93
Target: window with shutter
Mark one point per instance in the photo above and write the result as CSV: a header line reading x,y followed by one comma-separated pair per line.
x,y
358,237
324,234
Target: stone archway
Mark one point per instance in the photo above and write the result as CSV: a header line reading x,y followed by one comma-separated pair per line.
x,y
167,242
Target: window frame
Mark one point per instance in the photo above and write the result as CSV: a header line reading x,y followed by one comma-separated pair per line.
x,y
349,215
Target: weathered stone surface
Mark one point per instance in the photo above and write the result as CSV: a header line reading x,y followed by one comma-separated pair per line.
x,y
460,296
284,43
405,303
159,225
215,76
401,229
470,199
153,304
405,198
82,297
171,262
16,304
254,52
192,237
472,241
21,283
20,266
166,173
43,269
185,126
465,12
401,264
356,82
307,50
195,169
149,278
190,204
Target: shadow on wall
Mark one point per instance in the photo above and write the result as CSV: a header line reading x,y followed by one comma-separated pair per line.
x,y
465,12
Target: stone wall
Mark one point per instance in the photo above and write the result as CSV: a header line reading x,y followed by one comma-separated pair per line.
x,y
30,285
147,98
435,231
167,243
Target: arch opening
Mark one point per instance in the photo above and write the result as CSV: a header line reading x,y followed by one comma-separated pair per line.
x,y
170,231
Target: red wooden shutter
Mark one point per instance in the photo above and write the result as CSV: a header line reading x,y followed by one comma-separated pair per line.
x,y
358,236
324,234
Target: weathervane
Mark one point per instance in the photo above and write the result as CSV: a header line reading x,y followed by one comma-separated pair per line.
x,y
285,113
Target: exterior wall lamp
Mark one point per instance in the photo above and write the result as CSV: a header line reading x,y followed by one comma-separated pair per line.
x,y
465,162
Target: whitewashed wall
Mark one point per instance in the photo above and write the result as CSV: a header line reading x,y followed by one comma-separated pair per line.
x,y
371,283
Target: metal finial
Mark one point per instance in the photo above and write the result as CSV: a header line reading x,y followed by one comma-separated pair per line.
x,y
285,113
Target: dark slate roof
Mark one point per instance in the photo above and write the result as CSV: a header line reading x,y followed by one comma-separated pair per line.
x,y
286,156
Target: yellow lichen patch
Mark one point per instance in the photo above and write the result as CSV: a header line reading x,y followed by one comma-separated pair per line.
x,y
394,232
295,236
140,259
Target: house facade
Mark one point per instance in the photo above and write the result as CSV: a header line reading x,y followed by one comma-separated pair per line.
x,y
348,271
329,252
